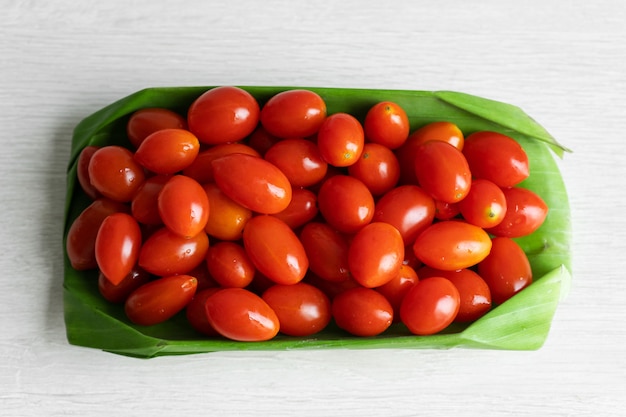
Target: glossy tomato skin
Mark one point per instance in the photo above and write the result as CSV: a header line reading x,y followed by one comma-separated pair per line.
x,y
442,131
377,168
506,270
195,312
144,122
201,170
239,314
327,251
275,249
293,114
526,212
252,182
120,292
117,246
345,203
386,123
144,205
223,114
362,312
496,157
376,254
82,171
227,218
395,290
452,245
168,151
115,174
340,139
485,204
442,171
183,206
166,253
229,265
159,300
301,209
430,306
300,160
301,308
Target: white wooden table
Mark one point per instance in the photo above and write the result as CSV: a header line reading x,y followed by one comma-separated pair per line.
x,y
564,63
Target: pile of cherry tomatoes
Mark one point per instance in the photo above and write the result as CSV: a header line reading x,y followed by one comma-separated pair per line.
x,y
258,219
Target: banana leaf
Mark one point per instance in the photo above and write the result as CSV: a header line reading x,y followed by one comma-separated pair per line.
x,y
521,323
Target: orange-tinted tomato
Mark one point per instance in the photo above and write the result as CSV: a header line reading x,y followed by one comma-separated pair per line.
x,y
275,250
452,245
82,171
362,311
166,253
241,315
144,122
485,204
115,174
293,114
144,206
301,308
159,300
386,123
168,151
229,265
496,157
183,206
430,306
226,217
252,182
340,139
117,246
201,170
506,270
327,251
120,292
345,203
223,114
299,160
196,312
441,131
377,167
301,209
376,254
526,211
395,290
442,171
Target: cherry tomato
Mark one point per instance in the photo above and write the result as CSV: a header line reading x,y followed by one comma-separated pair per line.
x,y
395,290
159,300
82,171
485,204
376,254
117,246
387,124
506,269
327,251
430,306
81,236
115,174
241,315
201,170
446,211
377,167
223,114
226,217
252,182
362,311
452,245
144,206
168,151
526,211
229,265
261,140
293,114
442,131
120,292
345,203
408,208
166,253
299,160
183,206
442,171
331,288
196,312
340,139
144,122
301,308
496,157
301,209
275,249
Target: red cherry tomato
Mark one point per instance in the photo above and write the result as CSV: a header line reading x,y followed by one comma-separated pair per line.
x,y
275,249
496,157
144,122
144,206
327,251
506,269
301,308
252,182
293,114
387,124
446,211
241,315
226,217
362,311
166,253
526,211
301,209
299,160
183,206
120,292
229,265
430,306
395,290
201,170
82,171
115,174
159,300
442,131
442,171
117,246
223,114
168,151
452,245
345,203
261,140
377,167
376,254
340,139
196,312
485,204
